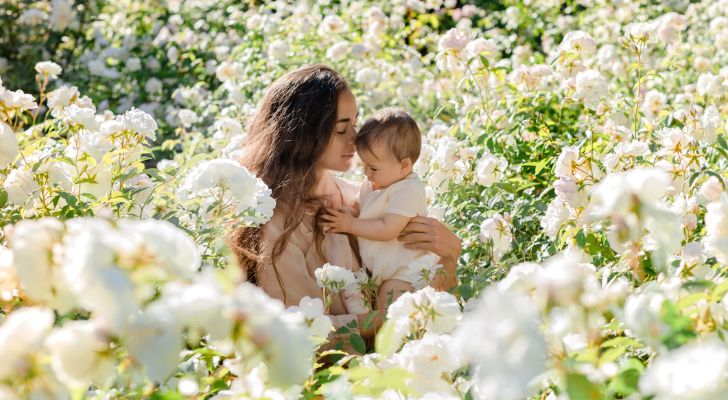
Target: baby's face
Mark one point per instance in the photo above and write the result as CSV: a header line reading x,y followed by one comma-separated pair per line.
x,y
381,166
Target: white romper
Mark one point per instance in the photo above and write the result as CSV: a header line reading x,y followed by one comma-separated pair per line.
x,y
389,259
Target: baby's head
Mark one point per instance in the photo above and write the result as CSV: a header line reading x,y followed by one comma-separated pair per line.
x,y
388,144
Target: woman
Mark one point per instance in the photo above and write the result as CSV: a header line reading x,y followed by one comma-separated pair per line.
x,y
303,130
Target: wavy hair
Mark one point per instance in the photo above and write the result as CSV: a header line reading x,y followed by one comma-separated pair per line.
x,y
286,138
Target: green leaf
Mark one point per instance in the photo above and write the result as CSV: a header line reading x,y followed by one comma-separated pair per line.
x,y
579,387
3,198
580,238
358,343
386,342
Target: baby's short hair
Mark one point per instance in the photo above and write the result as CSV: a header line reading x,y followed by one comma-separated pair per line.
x,y
397,128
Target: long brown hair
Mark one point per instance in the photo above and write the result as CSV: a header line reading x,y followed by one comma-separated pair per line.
x,y
286,138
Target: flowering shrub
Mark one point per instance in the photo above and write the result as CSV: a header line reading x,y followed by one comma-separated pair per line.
x,y
579,150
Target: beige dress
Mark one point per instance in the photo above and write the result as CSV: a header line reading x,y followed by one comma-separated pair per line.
x,y
299,259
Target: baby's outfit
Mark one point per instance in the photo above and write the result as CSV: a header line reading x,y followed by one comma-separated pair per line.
x,y
387,260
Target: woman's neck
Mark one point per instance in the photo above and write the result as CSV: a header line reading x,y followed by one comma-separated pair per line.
x,y
327,188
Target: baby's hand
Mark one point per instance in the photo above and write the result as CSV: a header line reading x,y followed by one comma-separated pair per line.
x,y
337,221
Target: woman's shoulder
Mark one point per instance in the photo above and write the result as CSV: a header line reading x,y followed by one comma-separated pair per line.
x,y
349,189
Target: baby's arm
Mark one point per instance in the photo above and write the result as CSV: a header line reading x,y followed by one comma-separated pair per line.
x,y
382,229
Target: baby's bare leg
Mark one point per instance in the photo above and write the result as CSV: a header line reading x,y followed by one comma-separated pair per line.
x,y
390,290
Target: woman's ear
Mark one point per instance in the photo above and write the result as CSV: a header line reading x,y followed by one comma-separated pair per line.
x,y
406,163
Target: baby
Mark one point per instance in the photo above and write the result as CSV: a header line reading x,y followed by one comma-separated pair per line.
x,y
388,144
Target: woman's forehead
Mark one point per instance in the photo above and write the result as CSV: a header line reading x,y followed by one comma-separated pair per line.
x,y
346,107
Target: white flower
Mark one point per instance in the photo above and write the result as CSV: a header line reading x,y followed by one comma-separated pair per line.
x,y
8,145
490,169
454,40
670,26
615,193
642,32
153,85
334,278
48,69
187,117
568,191
154,340
496,232
238,183
709,85
710,190
21,334
716,225
82,116
229,71
332,24
694,371
33,243
138,121
19,185
580,43
423,270
428,309
18,100
591,87
710,122
642,316
480,47
338,51
80,354
430,361
278,50
133,64
502,338
556,215
61,98
368,77
62,14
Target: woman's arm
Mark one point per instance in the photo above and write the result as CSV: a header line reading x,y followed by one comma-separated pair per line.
x,y
425,233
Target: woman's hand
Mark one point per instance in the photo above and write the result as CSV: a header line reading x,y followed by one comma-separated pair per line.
x,y
429,234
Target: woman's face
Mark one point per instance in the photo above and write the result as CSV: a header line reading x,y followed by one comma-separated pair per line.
x,y
339,154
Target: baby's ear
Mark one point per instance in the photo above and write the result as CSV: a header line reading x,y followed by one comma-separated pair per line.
x,y
406,163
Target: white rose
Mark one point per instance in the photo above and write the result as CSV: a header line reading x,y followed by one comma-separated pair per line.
x,y
591,87
278,51
80,354
187,117
20,185
503,330
61,98
32,243
716,225
153,85
709,85
138,121
62,14
48,69
8,145
338,51
454,40
490,169
580,43
694,371
710,190
496,232
334,278
21,334
368,77
82,116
